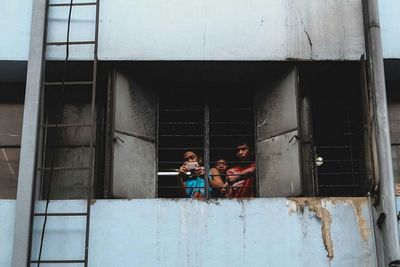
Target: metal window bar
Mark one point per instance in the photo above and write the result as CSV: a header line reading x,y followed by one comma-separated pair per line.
x,y
58,125
349,135
68,83
352,170
206,149
167,167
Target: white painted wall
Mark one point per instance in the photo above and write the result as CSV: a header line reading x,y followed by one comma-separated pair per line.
x,y
231,29
7,219
160,232
389,11
199,29
15,26
207,29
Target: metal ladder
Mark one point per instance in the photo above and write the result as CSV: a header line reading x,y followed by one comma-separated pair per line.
x,y
57,125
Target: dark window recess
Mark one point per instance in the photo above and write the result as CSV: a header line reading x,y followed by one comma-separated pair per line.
x,y
185,114
66,129
393,96
11,113
338,139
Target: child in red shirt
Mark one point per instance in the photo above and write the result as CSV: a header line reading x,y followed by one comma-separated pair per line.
x,y
241,178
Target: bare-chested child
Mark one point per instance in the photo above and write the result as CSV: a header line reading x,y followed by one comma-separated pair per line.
x,y
218,177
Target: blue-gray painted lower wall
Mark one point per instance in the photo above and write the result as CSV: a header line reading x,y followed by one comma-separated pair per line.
x,y
7,214
159,232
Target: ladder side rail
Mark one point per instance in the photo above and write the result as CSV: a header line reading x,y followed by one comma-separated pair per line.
x,y
92,136
58,119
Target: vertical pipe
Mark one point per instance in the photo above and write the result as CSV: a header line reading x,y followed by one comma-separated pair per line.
x,y
377,85
206,148
29,143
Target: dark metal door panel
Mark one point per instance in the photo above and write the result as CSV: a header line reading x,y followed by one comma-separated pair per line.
x,y
278,147
135,107
278,166
276,106
134,151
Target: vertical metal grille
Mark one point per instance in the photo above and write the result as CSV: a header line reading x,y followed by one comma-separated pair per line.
x,y
210,127
338,140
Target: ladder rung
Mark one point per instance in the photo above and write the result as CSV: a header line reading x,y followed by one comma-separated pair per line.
x,y
68,146
231,122
62,214
10,146
71,43
69,83
181,135
180,123
228,135
58,261
73,4
63,168
65,125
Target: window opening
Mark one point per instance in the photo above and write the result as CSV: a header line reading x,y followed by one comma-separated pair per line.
x,y
333,129
210,122
66,135
11,113
393,96
338,140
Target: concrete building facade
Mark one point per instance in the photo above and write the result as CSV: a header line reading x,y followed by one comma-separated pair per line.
x,y
312,84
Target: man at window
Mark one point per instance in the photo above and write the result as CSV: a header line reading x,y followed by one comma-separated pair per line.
x,y
241,178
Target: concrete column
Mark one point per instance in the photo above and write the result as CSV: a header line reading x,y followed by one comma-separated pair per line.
x,y
29,143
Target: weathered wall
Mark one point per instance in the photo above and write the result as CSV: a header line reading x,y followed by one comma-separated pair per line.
x,y
198,30
73,151
231,30
159,232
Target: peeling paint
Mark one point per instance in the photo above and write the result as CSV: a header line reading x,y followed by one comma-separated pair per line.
x,y
361,221
316,206
195,233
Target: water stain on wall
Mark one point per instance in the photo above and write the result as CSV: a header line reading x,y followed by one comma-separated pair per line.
x,y
318,207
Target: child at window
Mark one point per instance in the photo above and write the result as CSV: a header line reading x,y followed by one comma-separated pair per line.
x,y
218,177
191,175
240,179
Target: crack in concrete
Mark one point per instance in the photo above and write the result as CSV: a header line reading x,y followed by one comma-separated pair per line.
x,y
306,32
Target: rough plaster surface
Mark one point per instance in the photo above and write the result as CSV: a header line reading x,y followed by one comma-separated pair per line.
x,y
201,30
254,232
206,29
